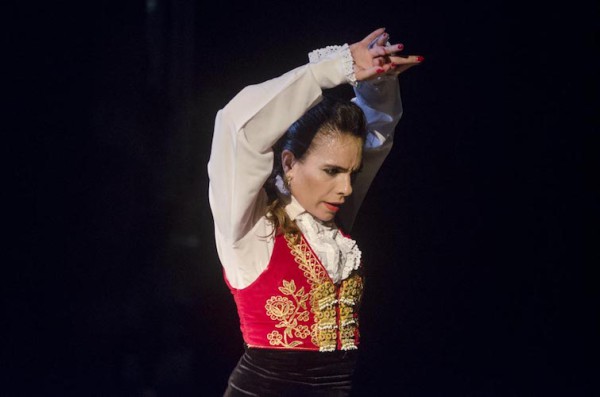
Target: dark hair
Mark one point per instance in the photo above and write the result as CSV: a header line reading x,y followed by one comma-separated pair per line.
x,y
329,116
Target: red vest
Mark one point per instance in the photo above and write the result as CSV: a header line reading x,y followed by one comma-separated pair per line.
x,y
294,304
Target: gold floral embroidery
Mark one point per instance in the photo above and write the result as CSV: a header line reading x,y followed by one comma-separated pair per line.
x,y
324,302
288,313
279,308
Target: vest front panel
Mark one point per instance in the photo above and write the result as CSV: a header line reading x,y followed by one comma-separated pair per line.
x,y
295,305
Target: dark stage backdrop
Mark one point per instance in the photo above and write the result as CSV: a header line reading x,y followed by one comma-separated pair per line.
x,y
473,232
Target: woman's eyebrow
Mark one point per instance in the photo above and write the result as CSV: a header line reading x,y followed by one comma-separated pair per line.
x,y
339,168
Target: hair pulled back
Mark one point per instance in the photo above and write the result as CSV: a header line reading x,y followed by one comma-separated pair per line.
x,y
330,116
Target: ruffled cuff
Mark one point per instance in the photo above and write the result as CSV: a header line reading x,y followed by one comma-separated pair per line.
x,y
336,50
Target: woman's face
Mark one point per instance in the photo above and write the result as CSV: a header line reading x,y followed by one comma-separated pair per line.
x,y
321,181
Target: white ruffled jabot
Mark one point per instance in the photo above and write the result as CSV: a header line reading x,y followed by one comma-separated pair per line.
x,y
338,254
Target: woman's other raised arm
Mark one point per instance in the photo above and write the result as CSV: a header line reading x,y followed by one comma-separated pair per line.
x,y
380,100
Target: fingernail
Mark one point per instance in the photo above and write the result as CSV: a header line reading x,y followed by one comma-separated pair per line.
x,y
380,70
400,46
394,65
420,58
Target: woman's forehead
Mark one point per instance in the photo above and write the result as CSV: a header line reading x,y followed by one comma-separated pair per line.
x,y
340,149
335,140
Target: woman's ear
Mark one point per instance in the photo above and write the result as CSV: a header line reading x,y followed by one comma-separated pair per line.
x,y
287,161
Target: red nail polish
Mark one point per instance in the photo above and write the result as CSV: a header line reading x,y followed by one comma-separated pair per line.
x,y
420,58
380,70
400,46
394,65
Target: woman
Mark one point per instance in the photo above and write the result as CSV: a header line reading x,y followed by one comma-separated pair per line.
x,y
288,171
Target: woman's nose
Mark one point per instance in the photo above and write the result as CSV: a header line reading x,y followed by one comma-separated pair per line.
x,y
345,188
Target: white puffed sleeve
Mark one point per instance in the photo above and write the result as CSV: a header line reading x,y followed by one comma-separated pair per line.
x,y
241,160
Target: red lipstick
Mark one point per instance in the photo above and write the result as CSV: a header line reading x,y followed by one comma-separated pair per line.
x,y
332,207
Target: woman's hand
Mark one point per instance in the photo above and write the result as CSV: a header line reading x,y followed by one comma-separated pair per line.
x,y
372,57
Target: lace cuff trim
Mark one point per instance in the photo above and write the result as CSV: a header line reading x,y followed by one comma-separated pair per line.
x,y
347,61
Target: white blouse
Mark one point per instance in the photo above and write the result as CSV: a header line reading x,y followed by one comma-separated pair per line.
x,y
242,159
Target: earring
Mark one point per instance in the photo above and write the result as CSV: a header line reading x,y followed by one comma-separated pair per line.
x,y
283,185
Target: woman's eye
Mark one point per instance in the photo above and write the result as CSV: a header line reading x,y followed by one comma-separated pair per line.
x,y
331,171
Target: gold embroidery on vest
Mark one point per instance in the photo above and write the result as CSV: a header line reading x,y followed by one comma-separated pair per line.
x,y
288,313
350,294
322,304
323,300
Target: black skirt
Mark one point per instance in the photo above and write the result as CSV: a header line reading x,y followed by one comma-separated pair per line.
x,y
270,372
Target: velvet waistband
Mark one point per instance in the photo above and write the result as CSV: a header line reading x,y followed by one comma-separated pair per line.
x,y
270,372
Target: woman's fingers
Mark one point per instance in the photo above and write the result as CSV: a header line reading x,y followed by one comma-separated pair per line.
x,y
361,54
394,48
374,56
381,53
380,40
369,73
372,36
406,60
379,61
377,51
383,38
401,64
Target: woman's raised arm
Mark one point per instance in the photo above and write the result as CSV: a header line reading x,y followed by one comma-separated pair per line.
x,y
379,98
248,126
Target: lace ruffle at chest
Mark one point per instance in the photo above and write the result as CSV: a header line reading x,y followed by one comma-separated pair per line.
x,y
339,254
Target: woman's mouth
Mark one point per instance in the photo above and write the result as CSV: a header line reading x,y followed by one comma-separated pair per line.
x,y
333,207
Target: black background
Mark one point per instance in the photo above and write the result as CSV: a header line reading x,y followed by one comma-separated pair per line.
x,y
474,232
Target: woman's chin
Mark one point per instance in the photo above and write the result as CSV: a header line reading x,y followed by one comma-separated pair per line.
x,y
328,217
